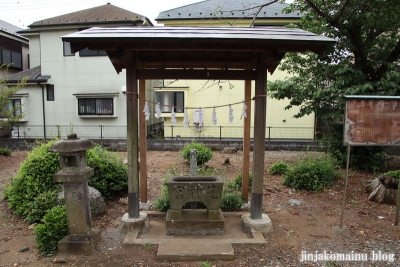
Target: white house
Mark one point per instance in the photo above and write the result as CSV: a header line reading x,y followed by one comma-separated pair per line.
x,y
14,57
80,92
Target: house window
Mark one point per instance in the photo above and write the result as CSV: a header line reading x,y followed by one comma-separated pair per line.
x,y
50,92
169,99
11,57
6,56
67,49
95,106
15,105
17,60
90,53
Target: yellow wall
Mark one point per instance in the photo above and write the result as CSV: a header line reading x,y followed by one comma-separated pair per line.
x,y
207,94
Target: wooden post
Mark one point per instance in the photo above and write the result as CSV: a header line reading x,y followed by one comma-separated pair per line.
x,y
396,220
246,143
260,106
345,187
132,141
143,142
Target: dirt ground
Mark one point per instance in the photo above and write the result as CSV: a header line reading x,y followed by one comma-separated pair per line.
x,y
310,227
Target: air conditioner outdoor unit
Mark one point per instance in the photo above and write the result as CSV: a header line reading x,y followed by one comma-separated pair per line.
x,y
17,134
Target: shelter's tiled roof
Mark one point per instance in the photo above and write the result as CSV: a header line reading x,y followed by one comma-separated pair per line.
x,y
227,9
198,47
103,15
205,33
33,74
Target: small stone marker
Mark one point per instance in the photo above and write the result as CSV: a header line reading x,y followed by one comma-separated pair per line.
x,y
193,162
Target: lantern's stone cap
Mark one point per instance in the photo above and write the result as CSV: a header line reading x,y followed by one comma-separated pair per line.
x,y
71,144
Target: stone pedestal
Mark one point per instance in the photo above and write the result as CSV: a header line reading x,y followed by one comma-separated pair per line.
x,y
80,244
141,224
249,225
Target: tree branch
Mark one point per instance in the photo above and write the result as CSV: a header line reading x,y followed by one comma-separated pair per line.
x,y
259,10
316,9
394,55
339,14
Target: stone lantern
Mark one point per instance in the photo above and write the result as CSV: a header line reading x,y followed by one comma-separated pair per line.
x,y
74,175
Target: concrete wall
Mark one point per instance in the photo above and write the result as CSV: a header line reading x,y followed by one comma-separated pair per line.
x,y
34,50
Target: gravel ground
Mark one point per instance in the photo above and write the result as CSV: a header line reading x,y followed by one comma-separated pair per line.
x,y
298,229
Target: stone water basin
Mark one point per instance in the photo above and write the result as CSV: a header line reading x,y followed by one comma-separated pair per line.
x,y
205,189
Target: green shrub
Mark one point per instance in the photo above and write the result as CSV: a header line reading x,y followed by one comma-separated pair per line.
x,y
52,230
369,158
313,173
279,168
231,201
236,184
204,154
162,203
32,191
5,151
34,178
394,174
110,173
43,202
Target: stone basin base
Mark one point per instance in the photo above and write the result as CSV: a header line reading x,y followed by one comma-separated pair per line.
x,y
195,222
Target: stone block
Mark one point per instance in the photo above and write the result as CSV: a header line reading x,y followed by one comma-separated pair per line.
x,y
80,244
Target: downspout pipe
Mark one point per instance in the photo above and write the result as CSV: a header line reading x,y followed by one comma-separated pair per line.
x,y
43,107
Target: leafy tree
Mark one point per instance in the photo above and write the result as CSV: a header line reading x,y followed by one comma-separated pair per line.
x,y
9,115
364,61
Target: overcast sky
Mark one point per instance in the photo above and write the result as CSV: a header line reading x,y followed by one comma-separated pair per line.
x,y
21,13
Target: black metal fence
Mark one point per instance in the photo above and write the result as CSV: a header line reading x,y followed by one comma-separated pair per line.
x,y
159,131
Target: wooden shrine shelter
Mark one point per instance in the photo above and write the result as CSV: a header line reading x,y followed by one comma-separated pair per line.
x,y
223,53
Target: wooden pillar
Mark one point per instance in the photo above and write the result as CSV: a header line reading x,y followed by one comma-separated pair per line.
x,y
260,106
132,141
246,142
143,142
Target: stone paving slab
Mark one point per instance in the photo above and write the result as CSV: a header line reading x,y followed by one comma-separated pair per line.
x,y
196,248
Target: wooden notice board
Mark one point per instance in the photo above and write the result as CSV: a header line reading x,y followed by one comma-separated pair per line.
x,y
372,121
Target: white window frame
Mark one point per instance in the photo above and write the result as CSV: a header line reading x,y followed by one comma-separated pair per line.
x,y
112,96
23,98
